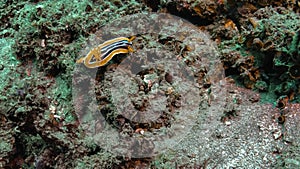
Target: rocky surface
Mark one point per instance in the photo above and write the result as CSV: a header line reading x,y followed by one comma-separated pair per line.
x,y
248,117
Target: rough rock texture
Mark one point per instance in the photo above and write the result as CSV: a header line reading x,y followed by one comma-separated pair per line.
x,y
235,127
239,132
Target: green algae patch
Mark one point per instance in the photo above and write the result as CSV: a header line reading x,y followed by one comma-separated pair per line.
x,y
5,146
101,159
271,38
51,32
40,43
8,62
62,96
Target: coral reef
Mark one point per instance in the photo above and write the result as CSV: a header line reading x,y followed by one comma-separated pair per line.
x,y
254,125
270,38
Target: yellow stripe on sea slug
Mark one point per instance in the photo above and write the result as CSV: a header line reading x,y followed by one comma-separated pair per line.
x,y
103,53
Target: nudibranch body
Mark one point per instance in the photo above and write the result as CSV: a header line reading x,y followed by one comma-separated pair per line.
x,y
103,53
